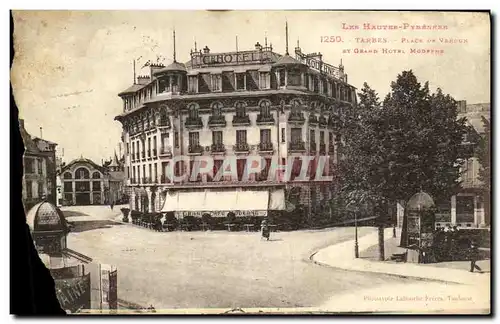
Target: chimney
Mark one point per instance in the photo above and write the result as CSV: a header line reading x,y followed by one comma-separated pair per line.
x,y
155,67
41,132
143,79
258,46
206,50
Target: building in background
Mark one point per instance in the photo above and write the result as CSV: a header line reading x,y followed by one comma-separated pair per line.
x,y
84,182
39,172
239,104
465,209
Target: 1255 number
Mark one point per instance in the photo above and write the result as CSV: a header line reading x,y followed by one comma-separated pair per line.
x,y
331,39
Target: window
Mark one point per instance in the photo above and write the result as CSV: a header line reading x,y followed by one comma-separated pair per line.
x,y
155,176
175,83
29,189
82,186
265,108
325,86
133,174
138,174
334,90
150,174
193,84
265,136
96,175
240,110
164,120
96,185
306,79
154,146
194,139
163,86
67,175
294,77
176,139
296,135
216,82
40,166
82,173
465,209
40,189
281,78
283,137
265,80
322,137
29,165
127,149
217,137
241,137
68,186
143,171
312,135
217,109
193,111
315,84
240,81
149,147
164,142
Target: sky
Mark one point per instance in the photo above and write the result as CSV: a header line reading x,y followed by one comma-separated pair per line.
x,y
69,66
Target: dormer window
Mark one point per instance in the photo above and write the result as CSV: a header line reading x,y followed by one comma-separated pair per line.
x,y
265,80
294,77
175,83
193,84
240,81
216,82
163,85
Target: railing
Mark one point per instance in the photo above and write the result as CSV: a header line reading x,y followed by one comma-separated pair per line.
x,y
241,120
298,146
266,147
218,148
195,149
265,119
217,121
164,122
241,147
297,117
194,123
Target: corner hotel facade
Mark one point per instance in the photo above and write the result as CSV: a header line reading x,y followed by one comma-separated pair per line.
x,y
253,102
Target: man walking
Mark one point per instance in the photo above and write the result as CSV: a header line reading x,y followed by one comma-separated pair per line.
x,y
474,256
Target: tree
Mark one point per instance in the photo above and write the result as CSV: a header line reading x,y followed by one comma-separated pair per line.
x,y
411,142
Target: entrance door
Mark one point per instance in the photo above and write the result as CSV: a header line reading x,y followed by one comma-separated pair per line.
x,y
83,198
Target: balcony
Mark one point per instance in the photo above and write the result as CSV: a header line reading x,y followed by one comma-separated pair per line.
x,y
322,148
218,148
194,123
265,119
165,151
241,120
195,149
297,146
313,120
266,147
146,180
241,147
323,122
297,118
217,121
165,122
313,147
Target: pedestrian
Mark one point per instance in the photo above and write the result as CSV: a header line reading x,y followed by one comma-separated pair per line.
x,y
111,205
474,256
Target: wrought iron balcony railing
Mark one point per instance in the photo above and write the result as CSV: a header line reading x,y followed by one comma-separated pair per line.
x,y
265,119
194,123
266,147
195,149
241,120
241,147
218,148
297,146
217,121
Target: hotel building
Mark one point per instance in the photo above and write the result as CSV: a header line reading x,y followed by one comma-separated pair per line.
x,y
246,103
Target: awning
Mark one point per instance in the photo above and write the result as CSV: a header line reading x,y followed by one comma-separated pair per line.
x,y
221,201
277,200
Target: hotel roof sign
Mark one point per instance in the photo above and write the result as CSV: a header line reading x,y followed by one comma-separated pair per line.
x,y
231,58
318,65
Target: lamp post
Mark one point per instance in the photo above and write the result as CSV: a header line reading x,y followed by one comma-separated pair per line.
x,y
356,247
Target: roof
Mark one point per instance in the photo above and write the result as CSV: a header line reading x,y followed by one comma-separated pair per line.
x,y
45,217
114,162
84,161
288,60
33,144
132,89
175,66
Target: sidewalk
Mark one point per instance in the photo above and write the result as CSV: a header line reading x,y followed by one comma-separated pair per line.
x,y
342,256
